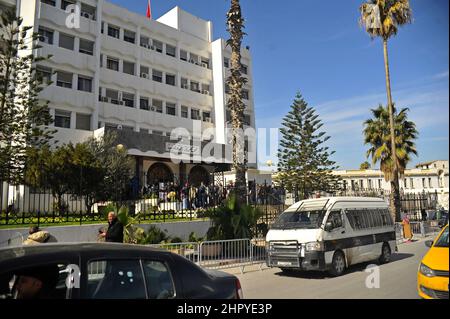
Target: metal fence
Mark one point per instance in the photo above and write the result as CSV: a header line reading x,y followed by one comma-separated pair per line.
x,y
221,254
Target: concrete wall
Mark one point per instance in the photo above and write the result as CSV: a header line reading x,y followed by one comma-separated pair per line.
x,y
88,233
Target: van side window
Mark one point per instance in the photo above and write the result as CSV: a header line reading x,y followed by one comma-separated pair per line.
x,y
369,218
386,217
335,218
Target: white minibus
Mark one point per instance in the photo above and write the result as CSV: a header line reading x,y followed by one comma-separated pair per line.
x,y
330,234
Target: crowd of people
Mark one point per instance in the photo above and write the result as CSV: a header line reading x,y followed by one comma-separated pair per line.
x,y
203,196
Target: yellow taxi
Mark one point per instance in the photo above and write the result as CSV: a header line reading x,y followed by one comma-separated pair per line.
x,y
432,277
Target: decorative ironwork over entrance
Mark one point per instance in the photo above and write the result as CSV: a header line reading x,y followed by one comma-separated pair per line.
x,y
159,173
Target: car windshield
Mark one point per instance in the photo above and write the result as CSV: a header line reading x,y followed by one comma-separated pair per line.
x,y
443,239
301,219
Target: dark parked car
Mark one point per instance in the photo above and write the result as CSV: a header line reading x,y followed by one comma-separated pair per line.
x,y
108,271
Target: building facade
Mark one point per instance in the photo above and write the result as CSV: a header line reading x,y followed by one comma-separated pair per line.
x,y
428,177
115,70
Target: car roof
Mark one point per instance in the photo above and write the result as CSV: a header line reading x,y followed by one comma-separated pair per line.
x,y
321,202
54,249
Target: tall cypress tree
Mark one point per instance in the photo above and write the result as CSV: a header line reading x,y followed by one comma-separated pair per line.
x,y
304,159
24,119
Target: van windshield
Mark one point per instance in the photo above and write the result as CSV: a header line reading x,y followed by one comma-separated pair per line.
x,y
307,219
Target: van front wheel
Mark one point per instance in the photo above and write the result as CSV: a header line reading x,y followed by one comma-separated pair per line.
x,y
385,254
338,264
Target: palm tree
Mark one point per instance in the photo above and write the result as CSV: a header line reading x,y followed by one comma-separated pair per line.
x,y
382,18
235,103
377,135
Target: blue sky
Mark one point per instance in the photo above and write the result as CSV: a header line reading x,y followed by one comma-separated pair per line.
x,y
319,49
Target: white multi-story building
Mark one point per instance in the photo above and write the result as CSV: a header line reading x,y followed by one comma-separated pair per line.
x,y
425,177
118,71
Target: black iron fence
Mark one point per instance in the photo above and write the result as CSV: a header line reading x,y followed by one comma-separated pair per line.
x,y
22,205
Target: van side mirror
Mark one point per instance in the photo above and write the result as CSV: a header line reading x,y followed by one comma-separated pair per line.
x,y
328,226
429,243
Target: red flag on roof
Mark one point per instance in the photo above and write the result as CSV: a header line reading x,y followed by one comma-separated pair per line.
x,y
149,10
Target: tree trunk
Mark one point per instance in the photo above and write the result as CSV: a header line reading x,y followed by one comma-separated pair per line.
x,y
395,189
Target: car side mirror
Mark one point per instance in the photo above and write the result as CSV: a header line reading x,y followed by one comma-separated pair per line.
x,y
429,243
328,226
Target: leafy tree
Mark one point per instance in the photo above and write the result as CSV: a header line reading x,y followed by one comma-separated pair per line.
x,y
304,161
53,170
88,175
377,136
24,119
364,166
236,82
382,18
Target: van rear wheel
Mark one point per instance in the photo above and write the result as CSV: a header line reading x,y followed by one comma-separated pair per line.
x,y
385,254
338,264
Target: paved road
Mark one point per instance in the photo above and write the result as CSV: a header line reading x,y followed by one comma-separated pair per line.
x,y
397,280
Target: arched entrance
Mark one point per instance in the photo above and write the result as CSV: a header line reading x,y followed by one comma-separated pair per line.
x,y
159,173
197,175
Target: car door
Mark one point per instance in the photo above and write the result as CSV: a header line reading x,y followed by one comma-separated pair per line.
x,y
334,238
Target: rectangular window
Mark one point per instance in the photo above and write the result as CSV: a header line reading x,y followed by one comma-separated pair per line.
x,y
227,88
195,114
361,184
157,105
171,109
184,83
128,99
193,58
129,36
411,183
65,3
184,111
183,55
113,31
45,35
144,105
84,84
44,73
86,47
49,2
206,116
195,86
423,183
205,89
170,79
66,41
145,42
102,27
245,94
369,184
88,11
144,72
83,122
113,96
158,46
244,68
430,185
64,79
144,130
247,119
226,62
157,133
128,67
205,62
62,119
157,76
171,50
112,64
379,183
